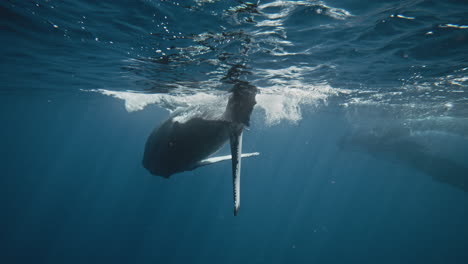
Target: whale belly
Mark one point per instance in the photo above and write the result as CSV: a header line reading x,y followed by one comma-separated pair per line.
x,y
175,147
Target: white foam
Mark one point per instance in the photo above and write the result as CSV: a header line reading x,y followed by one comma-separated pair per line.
x,y
135,101
283,95
285,92
281,102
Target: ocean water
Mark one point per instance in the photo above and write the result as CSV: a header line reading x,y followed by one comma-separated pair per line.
x,y
361,121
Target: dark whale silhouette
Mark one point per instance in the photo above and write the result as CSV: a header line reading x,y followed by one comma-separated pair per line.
x,y
182,146
399,145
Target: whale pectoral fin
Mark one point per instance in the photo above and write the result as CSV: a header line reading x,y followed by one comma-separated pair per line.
x,y
214,160
236,150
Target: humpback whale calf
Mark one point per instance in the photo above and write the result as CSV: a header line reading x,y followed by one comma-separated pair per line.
x,y
178,146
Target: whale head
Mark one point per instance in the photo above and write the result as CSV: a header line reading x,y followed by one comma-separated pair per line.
x,y
241,103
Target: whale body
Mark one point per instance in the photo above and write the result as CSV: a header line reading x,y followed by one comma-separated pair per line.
x,y
405,146
177,146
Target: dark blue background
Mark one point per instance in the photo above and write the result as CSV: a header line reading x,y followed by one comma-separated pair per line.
x,y
73,190
72,187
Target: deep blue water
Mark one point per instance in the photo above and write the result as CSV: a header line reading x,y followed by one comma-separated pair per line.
x,y
361,122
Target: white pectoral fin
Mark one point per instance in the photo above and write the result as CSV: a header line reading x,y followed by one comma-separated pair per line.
x,y
214,160
236,151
